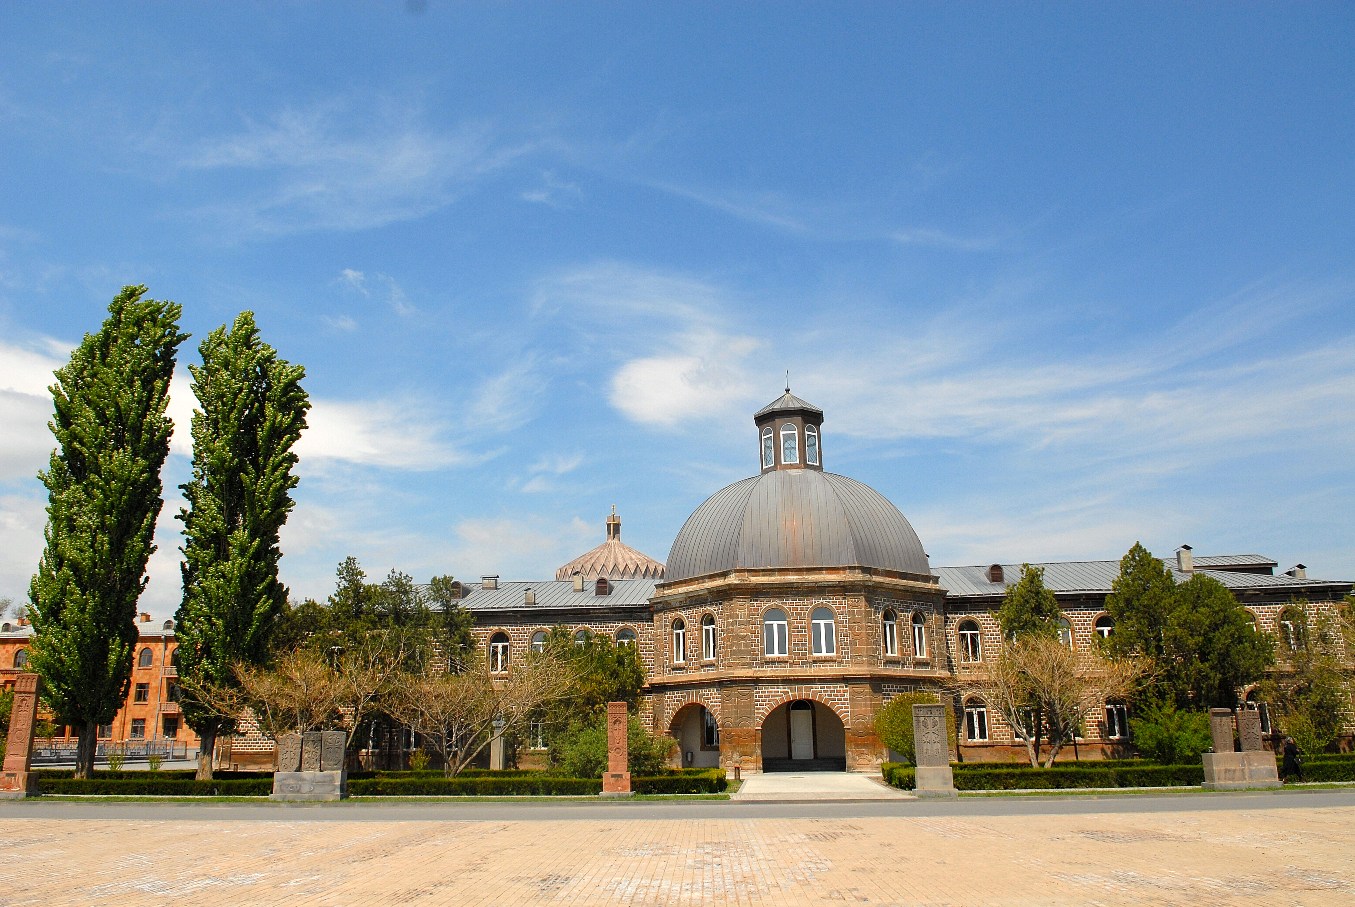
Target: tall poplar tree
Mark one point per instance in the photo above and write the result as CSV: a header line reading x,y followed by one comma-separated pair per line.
x,y
103,486
251,411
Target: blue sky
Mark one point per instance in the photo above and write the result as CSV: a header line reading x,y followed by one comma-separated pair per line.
x,y
1062,277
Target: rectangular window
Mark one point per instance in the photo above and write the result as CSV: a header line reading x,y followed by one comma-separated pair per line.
x,y
142,693
774,638
536,735
919,639
138,728
891,636
171,727
105,731
710,737
708,641
1117,721
171,691
976,723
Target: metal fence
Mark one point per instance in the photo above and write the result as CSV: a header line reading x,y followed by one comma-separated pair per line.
x,y
132,750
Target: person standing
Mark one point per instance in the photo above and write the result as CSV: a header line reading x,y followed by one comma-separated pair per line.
x,y
1293,765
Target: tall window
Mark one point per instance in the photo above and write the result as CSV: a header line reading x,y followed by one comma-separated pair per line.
x,y
1117,721
1065,632
919,635
171,727
1293,629
138,729
768,447
539,641
1104,626
679,641
144,659
625,637
142,693
975,720
889,633
498,653
822,631
21,659
774,633
811,445
790,448
971,646
708,637
710,731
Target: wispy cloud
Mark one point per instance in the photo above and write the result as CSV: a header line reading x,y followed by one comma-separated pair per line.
x,y
553,192
378,286
768,209
351,164
545,470
932,238
395,434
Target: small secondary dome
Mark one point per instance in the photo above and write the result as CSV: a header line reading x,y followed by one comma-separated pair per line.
x,y
612,559
794,514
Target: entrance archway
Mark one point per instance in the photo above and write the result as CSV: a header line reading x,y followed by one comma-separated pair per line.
x,y
698,736
803,736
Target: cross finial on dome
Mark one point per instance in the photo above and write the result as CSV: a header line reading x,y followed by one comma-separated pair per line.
x,y
788,381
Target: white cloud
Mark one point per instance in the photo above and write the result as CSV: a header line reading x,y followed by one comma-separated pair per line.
x,y
553,192
343,323
704,376
932,238
507,400
386,433
389,291
26,406
22,520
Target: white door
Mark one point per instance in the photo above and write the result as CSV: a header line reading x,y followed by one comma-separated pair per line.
x,y
801,734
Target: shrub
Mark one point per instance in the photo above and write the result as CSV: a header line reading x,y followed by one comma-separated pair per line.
x,y
116,758
1169,736
158,786
1068,776
900,775
705,781
894,723
583,751
435,785
154,761
418,760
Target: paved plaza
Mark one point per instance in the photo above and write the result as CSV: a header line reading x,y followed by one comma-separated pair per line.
x,y
1287,848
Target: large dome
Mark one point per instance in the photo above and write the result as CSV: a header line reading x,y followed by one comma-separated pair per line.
x,y
795,518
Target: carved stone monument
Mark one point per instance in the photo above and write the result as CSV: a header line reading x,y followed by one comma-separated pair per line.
x,y
16,781
934,775
616,782
1227,769
289,752
321,775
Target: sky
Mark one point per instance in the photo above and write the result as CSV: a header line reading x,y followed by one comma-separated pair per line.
x,y
1062,277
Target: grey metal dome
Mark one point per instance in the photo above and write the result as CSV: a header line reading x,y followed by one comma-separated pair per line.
x,y
795,518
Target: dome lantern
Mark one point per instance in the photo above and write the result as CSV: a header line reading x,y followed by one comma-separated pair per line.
x,y
789,434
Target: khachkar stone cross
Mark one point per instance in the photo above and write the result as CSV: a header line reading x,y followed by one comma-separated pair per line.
x,y
311,766
1228,768
616,783
931,747
16,781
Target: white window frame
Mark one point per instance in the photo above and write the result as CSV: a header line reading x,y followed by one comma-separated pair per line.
x,y
539,641
976,721
768,447
971,642
708,637
1117,721
581,637
499,653
679,641
811,445
919,624
889,632
788,433
775,634
625,637
1065,630
1104,626
132,732
823,631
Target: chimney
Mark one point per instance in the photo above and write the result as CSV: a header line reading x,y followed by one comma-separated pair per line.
x,y
145,618
995,574
529,597
1185,561
1298,571
489,582
578,581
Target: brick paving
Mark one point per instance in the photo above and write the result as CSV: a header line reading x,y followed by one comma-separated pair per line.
x,y
1202,858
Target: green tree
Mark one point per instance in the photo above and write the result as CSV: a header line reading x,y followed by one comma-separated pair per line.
x,y
584,749
894,723
1029,607
603,672
1312,691
444,596
1141,599
251,412
1212,648
1170,735
104,495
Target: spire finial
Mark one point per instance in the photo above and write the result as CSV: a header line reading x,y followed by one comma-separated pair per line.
x,y
788,381
613,525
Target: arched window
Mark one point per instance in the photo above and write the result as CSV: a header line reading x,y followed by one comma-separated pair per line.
x,y
790,446
975,721
20,659
539,641
1293,626
1117,720
144,659
625,637
823,631
768,448
169,624
580,638
889,633
919,635
708,637
679,641
971,646
1065,629
811,445
498,653
1104,626
710,731
774,633
174,657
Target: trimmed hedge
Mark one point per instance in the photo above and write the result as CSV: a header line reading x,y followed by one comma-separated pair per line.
x,y
705,781
424,785
1329,770
900,774
1057,778
166,787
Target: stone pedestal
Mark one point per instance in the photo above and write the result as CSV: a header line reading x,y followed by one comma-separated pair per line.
x,y
934,776
1240,771
16,781
302,787
616,781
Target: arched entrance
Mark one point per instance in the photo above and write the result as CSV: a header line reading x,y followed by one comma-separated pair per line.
x,y
698,735
803,736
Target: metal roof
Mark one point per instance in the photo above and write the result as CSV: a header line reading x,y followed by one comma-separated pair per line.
x,y
787,402
1224,561
556,595
795,518
1097,576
